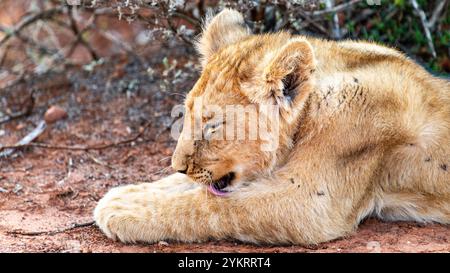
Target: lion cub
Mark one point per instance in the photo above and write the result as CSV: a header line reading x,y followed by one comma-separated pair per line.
x,y
361,131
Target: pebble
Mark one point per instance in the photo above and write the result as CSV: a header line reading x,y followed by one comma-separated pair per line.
x,y
163,243
54,114
17,188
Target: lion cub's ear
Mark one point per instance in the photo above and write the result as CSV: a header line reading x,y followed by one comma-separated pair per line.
x,y
287,74
225,28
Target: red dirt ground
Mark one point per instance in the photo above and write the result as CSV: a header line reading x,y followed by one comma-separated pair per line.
x,y
48,190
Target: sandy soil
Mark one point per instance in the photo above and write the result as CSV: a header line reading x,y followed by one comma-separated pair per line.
x,y
49,190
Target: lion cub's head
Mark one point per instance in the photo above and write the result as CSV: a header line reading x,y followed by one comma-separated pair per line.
x,y
242,113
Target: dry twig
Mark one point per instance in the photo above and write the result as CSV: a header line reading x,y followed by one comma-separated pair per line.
x,y
336,30
334,9
310,21
51,232
27,140
76,147
79,35
28,20
425,24
436,13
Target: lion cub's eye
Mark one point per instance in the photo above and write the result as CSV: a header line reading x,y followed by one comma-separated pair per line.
x,y
210,129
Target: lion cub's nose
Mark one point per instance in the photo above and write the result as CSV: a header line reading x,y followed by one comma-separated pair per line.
x,y
179,165
181,155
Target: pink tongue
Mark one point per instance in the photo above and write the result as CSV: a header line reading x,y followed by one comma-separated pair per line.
x,y
215,191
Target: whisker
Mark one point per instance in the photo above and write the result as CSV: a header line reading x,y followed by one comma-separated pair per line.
x,y
161,171
165,158
179,94
166,169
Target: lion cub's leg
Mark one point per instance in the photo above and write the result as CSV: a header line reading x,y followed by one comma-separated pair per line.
x,y
268,211
420,207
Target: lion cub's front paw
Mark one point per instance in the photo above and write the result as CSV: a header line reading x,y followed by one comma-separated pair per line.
x,y
125,212
129,213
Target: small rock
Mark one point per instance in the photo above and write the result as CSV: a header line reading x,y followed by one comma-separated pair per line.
x,y
163,243
3,190
20,126
17,188
374,246
167,151
2,132
73,246
54,114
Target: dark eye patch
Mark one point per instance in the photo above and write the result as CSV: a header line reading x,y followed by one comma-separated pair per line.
x,y
213,125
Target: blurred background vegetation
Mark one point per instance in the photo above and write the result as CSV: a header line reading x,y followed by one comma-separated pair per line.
x,y
38,36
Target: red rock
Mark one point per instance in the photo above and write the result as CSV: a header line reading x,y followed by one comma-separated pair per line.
x,y
54,114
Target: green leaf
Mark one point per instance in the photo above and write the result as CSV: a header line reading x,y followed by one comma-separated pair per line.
x,y
399,3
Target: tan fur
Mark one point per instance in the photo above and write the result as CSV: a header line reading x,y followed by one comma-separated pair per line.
x,y
367,133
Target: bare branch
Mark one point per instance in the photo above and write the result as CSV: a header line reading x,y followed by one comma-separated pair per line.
x,y
28,20
423,19
79,36
310,21
436,13
335,9
191,20
336,30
